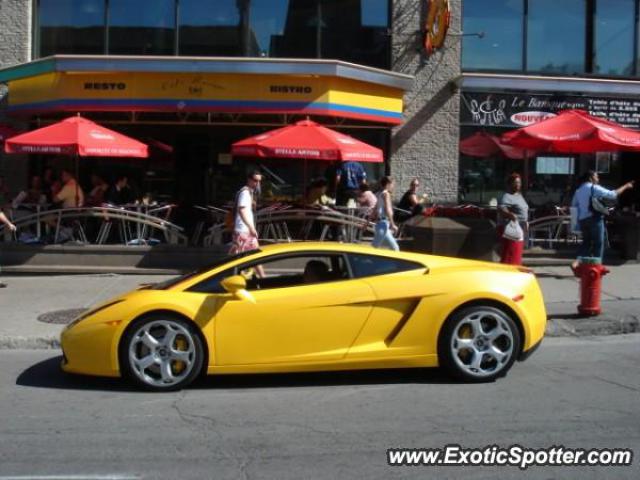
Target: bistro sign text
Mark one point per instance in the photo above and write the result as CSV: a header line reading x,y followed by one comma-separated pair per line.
x,y
290,89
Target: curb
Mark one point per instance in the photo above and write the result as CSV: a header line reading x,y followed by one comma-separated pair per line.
x,y
556,327
592,326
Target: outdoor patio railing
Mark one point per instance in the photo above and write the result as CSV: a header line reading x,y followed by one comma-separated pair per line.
x,y
94,225
552,231
286,225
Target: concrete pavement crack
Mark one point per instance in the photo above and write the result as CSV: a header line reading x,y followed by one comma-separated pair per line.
x,y
195,422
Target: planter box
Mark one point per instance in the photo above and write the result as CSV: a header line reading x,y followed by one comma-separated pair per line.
x,y
473,238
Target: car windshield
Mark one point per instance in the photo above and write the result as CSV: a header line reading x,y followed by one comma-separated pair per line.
x,y
176,280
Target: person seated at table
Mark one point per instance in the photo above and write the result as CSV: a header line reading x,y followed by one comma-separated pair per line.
x,y
98,191
34,195
71,194
120,192
49,182
410,201
317,194
367,199
147,199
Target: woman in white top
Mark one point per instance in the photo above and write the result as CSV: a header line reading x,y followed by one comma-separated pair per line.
x,y
385,227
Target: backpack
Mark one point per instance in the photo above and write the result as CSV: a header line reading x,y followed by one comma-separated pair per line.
x,y
596,205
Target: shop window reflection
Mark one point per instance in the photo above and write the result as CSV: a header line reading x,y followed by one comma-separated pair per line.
x,y
210,31
71,26
556,36
614,34
501,46
147,29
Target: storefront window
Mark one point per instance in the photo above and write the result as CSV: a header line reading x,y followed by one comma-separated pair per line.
x,y
613,42
500,47
350,30
556,36
345,35
214,31
147,29
268,19
300,27
71,26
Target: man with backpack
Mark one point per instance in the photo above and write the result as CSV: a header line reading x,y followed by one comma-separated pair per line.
x,y
587,200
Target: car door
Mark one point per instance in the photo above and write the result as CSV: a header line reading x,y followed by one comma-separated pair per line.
x,y
290,320
401,294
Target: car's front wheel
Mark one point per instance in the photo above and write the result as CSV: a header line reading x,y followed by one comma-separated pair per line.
x,y
161,352
479,343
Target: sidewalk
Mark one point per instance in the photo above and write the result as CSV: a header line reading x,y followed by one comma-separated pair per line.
x,y
28,300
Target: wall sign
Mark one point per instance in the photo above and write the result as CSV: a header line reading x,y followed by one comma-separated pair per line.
x,y
521,109
436,25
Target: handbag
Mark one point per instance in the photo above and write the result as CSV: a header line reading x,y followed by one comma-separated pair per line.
x,y
596,205
513,231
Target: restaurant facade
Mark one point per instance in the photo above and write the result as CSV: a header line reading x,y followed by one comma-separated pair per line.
x,y
526,60
194,76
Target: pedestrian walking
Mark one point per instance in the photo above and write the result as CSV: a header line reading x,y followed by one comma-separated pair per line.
x,y
5,221
513,208
385,226
591,221
245,235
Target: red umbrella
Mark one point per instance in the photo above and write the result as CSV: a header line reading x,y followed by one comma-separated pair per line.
x,y
574,131
482,144
307,140
6,132
76,136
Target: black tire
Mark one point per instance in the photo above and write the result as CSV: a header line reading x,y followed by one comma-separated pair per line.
x,y
172,368
474,355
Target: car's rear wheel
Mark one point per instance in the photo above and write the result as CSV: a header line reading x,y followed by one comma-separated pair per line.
x,y
161,352
479,343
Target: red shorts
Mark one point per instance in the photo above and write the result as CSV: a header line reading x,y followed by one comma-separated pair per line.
x,y
242,242
511,251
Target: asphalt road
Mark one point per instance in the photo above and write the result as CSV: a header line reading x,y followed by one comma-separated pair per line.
x,y
574,392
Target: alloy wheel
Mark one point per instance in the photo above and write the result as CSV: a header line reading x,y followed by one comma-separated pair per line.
x,y
162,353
482,343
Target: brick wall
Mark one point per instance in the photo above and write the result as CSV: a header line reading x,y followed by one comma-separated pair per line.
x,y
426,145
15,48
15,32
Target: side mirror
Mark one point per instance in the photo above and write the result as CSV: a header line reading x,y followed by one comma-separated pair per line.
x,y
237,286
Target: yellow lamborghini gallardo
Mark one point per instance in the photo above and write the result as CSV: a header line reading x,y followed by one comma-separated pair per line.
x,y
313,307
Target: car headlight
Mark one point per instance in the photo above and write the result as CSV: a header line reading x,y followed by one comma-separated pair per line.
x,y
89,313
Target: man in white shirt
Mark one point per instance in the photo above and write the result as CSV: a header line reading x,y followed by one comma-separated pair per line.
x,y
592,223
71,194
245,235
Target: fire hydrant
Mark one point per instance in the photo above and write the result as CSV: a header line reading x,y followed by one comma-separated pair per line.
x,y
590,271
